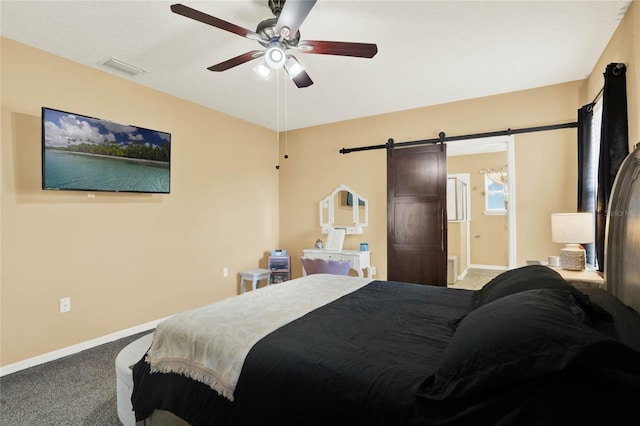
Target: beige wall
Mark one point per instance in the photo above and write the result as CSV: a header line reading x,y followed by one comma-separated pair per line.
x,y
124,259
624,46
545,166
129,259
315,167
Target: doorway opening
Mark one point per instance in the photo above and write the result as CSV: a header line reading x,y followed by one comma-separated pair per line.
x,y
483,239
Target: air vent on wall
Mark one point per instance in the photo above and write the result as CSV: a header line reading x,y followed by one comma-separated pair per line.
x,y
122,67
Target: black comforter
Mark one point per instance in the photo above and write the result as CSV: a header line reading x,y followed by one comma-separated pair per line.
x,y
378,356
366,354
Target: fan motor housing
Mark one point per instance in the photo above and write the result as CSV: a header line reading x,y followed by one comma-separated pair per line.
x,y
267,31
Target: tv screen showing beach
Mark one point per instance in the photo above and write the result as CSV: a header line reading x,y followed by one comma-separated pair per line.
x,y
89,154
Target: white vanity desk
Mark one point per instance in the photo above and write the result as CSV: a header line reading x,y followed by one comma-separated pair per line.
x,y
360,260
343,212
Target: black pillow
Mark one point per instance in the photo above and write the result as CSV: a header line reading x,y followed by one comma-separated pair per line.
x,y
532,277
520,337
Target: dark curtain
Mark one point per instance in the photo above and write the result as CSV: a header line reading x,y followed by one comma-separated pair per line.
x,y
614,145
586,170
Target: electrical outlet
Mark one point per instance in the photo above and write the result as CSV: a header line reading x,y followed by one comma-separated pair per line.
x,y
65,304
373,271
225,272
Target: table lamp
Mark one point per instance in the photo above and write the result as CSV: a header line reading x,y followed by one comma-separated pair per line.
x,y
572,229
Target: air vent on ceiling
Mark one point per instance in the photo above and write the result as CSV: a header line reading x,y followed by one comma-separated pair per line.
x,y
122,67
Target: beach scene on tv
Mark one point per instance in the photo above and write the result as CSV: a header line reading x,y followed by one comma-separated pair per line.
x,y
85,153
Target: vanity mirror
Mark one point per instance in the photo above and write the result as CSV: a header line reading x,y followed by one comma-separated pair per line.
x,y
344,209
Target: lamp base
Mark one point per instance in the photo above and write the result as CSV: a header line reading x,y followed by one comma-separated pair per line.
x,y
572,257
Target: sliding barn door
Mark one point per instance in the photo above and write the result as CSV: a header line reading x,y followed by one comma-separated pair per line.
x,y
416,214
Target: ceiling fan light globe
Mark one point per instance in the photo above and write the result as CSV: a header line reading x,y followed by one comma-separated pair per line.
x,y
262,70
275,57
293,67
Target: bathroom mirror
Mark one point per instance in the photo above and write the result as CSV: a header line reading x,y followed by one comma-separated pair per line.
x,y
344,209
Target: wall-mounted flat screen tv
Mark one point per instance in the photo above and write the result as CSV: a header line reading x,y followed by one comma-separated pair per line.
x,y
83,153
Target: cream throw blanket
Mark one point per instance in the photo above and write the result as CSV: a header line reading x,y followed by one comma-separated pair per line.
x,y
209,344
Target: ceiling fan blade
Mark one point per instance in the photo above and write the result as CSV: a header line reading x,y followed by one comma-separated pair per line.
x,y
341,48
238,60
293,14
183,10
302,79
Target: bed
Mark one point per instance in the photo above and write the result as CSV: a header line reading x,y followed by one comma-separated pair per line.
x,y
529,348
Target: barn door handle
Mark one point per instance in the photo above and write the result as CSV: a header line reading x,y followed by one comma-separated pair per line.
x,y
443,212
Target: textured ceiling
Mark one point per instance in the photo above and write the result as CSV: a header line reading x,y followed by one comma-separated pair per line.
x,y
429,52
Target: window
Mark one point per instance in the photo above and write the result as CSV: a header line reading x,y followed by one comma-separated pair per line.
x,y
495,191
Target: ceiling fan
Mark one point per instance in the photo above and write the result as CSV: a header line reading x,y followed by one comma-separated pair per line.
x,y
278,35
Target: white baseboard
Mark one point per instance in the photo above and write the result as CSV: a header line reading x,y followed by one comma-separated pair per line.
x,y
70,350
463,274
491,267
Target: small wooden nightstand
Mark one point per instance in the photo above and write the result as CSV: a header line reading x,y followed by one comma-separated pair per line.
x,y
586,278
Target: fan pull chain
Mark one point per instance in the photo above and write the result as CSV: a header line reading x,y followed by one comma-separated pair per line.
x,y
277,116
286,122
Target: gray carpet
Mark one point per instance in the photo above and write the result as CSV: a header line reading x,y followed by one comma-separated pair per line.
x,y
78,390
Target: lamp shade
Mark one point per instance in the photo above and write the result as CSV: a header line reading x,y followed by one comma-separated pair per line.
x,y
572,228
